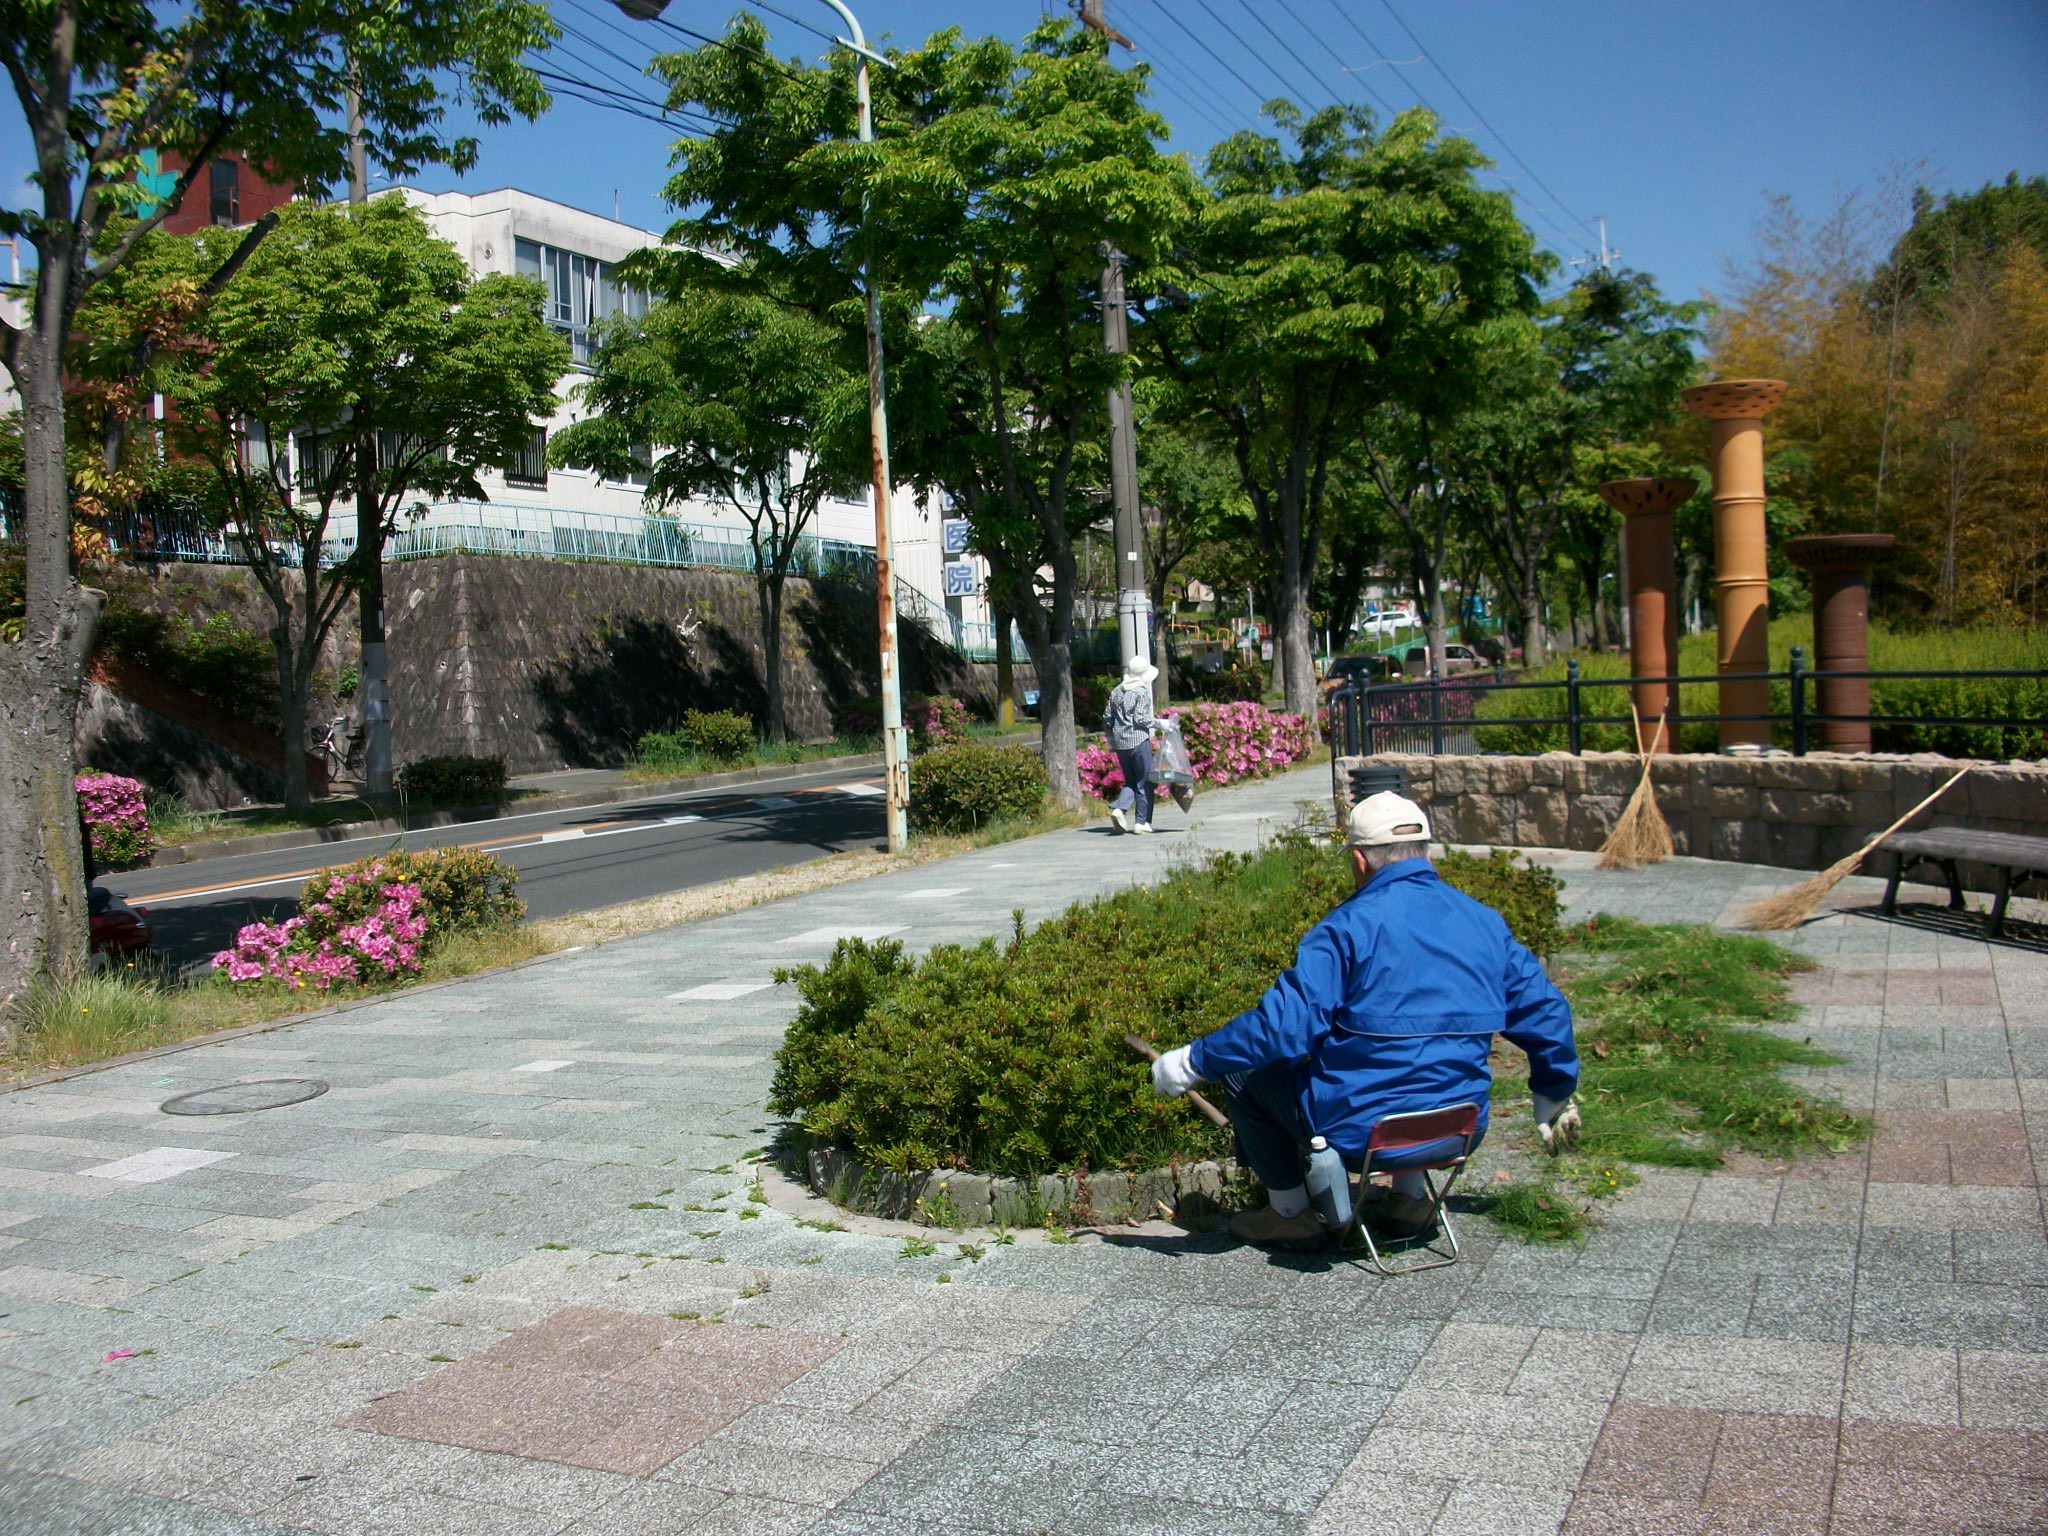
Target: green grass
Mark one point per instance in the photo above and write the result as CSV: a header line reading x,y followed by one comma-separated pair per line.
x,y
1675,1070
137,1008
683,764
1894,704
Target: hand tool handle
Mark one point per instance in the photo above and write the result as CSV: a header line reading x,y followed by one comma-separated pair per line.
x,y
1216,1116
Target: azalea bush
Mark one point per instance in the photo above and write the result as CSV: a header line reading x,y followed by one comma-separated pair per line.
x,y
940,721
360,929
1225,742
116,818
375,921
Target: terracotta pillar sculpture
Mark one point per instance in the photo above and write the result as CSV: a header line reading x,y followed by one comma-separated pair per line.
x,y
1652,594
1841,630
1735,411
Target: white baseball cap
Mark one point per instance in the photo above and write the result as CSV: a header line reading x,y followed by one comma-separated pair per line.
x,y
1386,818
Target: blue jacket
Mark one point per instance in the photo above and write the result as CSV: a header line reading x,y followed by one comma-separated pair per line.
x,y
1392,1005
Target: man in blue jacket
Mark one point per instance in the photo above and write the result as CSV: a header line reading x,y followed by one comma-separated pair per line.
x,y
1391,1006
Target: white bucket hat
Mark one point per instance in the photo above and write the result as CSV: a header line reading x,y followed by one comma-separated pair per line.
x,y
1138,672
1385,818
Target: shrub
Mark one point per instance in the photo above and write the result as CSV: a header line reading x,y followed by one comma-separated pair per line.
x,y
233,668
1010,1057
940,721
461,889
454,780
1226,743
375,920
961,788
116,818
722,735
1091,698
1526,894
1239,679
857,719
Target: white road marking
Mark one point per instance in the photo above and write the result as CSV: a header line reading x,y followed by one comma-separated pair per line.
x,y
677,821
834,935
935,893
998,866
774,803
155,1165
544,1066
873,791
723,991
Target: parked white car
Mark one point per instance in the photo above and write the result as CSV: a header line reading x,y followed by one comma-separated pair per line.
x,y
1390,621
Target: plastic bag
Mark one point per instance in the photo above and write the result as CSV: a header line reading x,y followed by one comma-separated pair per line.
x,y
1170,762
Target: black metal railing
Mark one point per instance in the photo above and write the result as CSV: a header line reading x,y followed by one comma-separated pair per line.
x,y
1436,715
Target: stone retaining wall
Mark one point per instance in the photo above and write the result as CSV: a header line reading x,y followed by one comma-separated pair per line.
x,y
1192,1191
1793,812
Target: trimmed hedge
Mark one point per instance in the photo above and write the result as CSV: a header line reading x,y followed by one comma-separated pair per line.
x,y
1009,1057
965,787
454,780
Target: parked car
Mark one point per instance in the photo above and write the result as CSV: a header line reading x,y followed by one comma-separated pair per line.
x,y
1457,659
1365,668
117,930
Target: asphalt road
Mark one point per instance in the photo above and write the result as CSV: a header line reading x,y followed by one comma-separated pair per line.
x,y
568,860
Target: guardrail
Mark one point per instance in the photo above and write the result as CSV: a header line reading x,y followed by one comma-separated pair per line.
x,y
1438,714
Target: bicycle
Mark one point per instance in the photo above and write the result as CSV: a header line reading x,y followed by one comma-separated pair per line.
x,y
332,742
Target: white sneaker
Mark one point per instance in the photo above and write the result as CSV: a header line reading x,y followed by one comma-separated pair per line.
x,y
1121,818
1143,828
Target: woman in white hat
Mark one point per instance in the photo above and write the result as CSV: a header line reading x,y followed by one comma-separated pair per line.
x,y
1129,723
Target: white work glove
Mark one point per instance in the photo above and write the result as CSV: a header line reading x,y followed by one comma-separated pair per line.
x,y
1173,1074
1557,1122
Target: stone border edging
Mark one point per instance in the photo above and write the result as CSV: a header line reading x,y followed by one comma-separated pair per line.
x,y
1192,1191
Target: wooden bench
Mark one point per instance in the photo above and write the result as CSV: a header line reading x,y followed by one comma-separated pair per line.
x,y
2014,856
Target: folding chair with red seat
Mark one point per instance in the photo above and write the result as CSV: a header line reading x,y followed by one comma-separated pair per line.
x,y
1426,1141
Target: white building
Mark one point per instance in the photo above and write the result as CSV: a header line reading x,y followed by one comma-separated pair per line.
x,y
532,507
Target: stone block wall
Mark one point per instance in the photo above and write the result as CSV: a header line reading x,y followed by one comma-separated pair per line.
x,y
1793,812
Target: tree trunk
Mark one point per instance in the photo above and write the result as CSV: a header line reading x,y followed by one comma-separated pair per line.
x,y
771,654
1162,693
1006,682
291,711
1049,637
1295,642
373,682
42,865
1532,619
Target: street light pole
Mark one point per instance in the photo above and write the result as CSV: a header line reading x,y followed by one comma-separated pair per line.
x,y
895,740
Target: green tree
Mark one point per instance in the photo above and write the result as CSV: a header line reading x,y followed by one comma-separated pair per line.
x,y
346,326
1186,486
752,406
1326,281
99,83
1604,365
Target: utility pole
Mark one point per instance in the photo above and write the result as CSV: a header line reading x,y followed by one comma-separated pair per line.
x,y
1092,19
895,739
1133,601
1607,258
374,672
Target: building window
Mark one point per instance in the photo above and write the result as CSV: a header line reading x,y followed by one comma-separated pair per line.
x,y
581,290
530,465
227,193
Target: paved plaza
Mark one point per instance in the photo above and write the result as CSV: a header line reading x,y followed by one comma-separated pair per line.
x,y
507,1275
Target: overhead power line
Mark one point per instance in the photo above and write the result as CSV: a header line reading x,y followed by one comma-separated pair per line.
x,y
1473,107
1286,87
1364,85
1259,99
1286,47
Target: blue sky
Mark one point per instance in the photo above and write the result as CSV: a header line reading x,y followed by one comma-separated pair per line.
x,y
1674,119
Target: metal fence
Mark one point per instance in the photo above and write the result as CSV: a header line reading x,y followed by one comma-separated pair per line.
x,y
1436,716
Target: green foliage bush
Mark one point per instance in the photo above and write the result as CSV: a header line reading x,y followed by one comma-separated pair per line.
x,y
1528,895
461,889
1010,1057
1895,705
964,787
454,780
702,736
723,735
233,668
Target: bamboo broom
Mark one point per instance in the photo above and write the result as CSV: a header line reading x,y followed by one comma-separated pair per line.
x,y
1641,835
1788,909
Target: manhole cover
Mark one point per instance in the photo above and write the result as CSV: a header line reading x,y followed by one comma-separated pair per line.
x,y
241,1098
